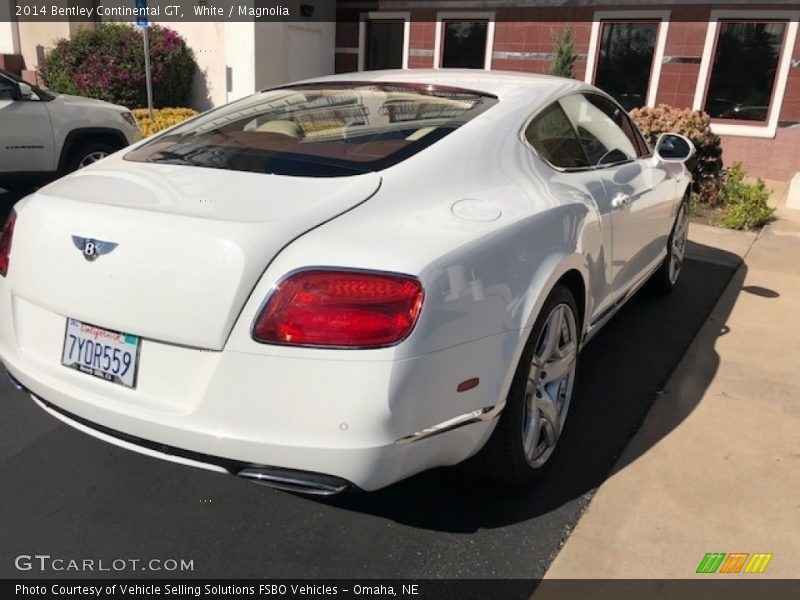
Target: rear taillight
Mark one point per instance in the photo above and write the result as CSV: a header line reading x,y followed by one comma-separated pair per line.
x,y
340,309
6,237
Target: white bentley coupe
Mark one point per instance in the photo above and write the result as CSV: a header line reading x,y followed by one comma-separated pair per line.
x,y
342,282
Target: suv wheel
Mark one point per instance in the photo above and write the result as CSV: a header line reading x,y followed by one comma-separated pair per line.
x,y
86,154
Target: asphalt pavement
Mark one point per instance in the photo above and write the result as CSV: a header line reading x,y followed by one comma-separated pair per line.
x,y
68,495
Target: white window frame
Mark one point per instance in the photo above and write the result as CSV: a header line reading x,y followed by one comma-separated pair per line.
x,y
438,42
383,16
662,16
784,63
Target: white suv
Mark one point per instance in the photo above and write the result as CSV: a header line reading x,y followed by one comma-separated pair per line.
x,y
43,135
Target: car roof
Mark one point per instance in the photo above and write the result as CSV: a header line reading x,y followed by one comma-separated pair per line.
x,y
503,84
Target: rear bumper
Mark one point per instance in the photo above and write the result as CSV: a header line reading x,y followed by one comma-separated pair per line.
x,y
284,479
351,423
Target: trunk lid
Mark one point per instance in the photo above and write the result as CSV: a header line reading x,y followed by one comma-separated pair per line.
x,y
191,243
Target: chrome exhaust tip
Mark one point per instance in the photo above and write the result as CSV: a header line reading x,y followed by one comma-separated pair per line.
x,y
301,482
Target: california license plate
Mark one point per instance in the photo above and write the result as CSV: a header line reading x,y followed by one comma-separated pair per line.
x,y
103,353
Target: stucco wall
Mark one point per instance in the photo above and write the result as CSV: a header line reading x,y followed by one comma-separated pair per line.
x,y
207,40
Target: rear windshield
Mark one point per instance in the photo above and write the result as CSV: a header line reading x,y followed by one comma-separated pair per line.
x,y
319,130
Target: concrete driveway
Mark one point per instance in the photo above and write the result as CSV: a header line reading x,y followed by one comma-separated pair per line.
x,y
714,468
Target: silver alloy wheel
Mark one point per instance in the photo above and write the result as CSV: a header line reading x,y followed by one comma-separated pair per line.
x,y
92,157
678,248
548,389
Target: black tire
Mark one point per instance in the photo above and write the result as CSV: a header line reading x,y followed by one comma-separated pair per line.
x,y
83,151
665,279
503,457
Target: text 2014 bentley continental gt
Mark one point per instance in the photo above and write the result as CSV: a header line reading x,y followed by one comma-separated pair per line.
x,y
342,282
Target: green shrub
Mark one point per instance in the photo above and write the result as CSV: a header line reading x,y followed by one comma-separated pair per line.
x,y
745,204
564,57
107,63
162,118
706,166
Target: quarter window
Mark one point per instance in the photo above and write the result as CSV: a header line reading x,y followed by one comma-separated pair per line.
x,y
554,139
599,124
744,70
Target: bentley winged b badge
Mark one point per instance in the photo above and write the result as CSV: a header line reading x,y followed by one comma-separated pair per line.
x,y
91,248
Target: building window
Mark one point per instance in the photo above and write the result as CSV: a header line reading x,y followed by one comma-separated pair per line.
x,y
625,61
745,70
743,74
383,41
626,51
464,44
464,40
384,45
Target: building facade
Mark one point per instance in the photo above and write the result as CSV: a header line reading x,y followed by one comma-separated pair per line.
x,y
738,62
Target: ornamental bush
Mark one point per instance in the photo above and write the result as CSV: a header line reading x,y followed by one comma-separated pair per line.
x,y
107,63
162,118
745,204
706,166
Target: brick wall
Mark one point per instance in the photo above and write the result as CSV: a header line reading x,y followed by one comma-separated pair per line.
x,y
777,158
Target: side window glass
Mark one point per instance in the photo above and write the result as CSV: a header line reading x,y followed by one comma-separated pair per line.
x,y
7,89
554,139
621,118
598,123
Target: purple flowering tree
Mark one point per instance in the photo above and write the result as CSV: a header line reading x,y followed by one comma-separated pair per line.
x,y
107,62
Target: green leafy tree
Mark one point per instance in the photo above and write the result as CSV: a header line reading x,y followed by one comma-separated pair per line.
x,y
564,57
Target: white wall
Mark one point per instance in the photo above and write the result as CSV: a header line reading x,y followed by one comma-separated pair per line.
x,y
9,36
207,40
240,59
287,52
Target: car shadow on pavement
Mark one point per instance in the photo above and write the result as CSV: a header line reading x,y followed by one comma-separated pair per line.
x,y
622,371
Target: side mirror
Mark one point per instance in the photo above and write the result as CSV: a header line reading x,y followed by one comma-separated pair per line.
x,y
675,148
24,91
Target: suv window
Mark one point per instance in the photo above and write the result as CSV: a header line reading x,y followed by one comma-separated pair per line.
x,y
7,91
7,78
597,122
318,130
552,136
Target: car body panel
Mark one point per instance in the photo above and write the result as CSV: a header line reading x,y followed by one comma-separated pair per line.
x,y
487,227
28,143
191,245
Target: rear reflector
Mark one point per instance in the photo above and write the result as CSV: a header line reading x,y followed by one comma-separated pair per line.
x,y
340,309
6,237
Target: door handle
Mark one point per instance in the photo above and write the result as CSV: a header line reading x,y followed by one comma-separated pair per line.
x,y
621,200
